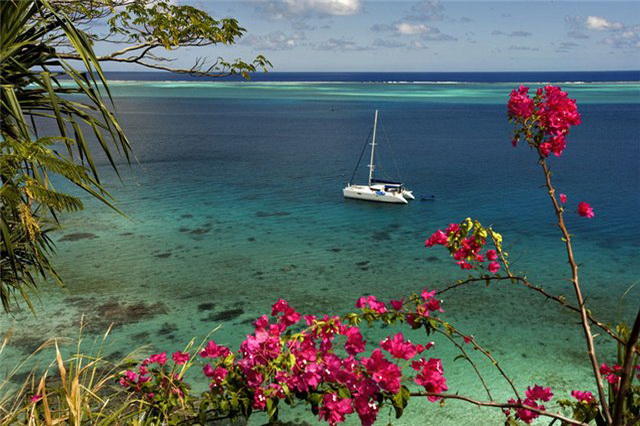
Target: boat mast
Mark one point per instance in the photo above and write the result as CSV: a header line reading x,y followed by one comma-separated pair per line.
x,y
373,147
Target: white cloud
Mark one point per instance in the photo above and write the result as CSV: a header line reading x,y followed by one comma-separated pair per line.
x,y
426,10
387,43
290,9
629,38
524,48
599,23
276,40
340,44
405,28
577,35
417,44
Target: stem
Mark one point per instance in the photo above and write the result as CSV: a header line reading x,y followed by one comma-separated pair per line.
x,y
486,353
538,289
545,413
576,286
627,373
473,364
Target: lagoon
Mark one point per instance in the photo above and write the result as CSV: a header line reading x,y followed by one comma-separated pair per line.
x,y
235,201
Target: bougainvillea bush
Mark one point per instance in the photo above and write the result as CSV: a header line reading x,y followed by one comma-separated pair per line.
x,y
324,363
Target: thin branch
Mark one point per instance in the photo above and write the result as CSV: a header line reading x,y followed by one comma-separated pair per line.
x,y
627,373
485,353
502,405
558,299
112,55
136,60
473,364
584,319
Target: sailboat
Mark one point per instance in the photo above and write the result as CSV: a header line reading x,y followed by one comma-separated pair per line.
x,y
384,191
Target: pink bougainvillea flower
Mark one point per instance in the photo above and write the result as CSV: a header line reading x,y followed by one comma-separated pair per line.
x,y
438,238
551,114
583,396
280,306
159,359
492,255
563,198
426,294
376,305
585,210
431,376
212,350
180,357
397,304
611,374
373,303
398,347
289,317
520,105
452,229
129,378
35,398
464,265
207,370
545,148
525,415
366,407
494,267
539,393
334,408
383,372
354,344
259,400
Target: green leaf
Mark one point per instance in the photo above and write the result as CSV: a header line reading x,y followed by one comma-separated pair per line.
x,y
272,409
344,393
400,400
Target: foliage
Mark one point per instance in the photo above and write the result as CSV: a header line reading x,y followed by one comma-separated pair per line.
x,y
38,41
145,26
79,390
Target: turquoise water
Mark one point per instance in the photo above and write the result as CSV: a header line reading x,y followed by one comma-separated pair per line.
x,y
235,201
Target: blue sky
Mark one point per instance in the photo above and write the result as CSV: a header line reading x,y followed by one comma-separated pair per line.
x,y
432,35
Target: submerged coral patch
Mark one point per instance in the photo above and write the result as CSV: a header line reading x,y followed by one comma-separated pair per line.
x,y
206,306
226,315
78,236
270,214
116,313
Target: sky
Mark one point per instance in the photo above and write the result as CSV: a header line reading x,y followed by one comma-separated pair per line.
x,y
431,35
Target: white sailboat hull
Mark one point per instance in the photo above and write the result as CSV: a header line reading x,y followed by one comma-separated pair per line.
x,y
383,191
361,192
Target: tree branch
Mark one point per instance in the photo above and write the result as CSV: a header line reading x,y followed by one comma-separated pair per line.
x,y
558,299
584,318
502,405
485,353
627,373
473,364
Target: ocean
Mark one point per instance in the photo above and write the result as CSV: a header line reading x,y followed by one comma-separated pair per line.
x,y
235,200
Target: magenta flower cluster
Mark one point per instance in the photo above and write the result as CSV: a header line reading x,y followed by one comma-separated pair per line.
x,y
465,250
545,120
326,362
533,395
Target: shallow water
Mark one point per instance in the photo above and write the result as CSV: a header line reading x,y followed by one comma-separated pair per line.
x,y
236,201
